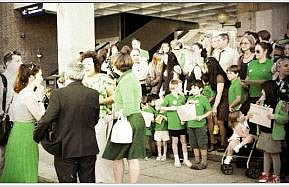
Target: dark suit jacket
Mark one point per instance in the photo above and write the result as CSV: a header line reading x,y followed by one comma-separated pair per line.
x,y
75,109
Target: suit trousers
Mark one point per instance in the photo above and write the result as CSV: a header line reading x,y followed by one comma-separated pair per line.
x,y
68,169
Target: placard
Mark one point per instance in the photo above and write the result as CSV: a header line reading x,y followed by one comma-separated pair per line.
x,y
260,114
148,118
187,112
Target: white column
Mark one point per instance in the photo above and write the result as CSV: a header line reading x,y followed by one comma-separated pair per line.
x,y
75,31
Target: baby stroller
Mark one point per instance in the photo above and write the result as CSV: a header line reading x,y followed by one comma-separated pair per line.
x,y
254,161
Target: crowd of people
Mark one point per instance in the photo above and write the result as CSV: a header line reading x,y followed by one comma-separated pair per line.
x,y
101,85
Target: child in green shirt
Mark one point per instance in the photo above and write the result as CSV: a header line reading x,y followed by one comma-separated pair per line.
x,y
197,129
235,91
148,107
210,94
161,135
176,128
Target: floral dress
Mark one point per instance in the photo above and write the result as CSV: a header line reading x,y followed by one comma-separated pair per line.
x,y
101,83
103,168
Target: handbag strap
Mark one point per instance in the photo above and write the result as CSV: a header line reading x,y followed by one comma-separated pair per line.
x,y
4,81
9,105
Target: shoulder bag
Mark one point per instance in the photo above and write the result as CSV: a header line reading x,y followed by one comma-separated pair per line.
x,y
5,123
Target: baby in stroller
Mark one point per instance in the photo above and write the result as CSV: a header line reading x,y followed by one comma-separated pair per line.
x,y
240,136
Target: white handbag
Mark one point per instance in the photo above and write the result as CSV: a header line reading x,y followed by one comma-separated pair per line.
x,y
121,130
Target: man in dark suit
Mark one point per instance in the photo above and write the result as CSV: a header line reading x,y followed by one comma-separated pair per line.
x,y
75,109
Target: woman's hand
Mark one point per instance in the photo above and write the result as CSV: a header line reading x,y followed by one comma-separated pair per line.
x,y
214,110
231,109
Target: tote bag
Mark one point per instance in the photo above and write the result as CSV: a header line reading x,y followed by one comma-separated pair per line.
x,y
121,131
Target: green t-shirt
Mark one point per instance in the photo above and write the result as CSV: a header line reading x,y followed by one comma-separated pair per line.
x,y
236,90
257,71
174,122
208,91
202,107
150,109
163,125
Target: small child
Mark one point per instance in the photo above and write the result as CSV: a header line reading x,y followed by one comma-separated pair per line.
x,y
197,129
240,136
210,94
176,129
270,138
148,107
236,92
161,135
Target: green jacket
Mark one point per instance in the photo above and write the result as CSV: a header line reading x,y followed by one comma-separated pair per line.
x,y
282,118
127,94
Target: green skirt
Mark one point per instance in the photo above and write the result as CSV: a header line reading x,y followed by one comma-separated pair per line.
x,y
21,155
134,150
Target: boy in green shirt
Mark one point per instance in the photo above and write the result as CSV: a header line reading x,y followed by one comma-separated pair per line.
x,y
210,94
176,128
148,107
161,135
235,91
197,129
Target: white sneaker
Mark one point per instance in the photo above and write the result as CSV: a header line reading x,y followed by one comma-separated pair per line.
x,y
164,158
177,164
146,158
158,158
237,148
188,163
228,160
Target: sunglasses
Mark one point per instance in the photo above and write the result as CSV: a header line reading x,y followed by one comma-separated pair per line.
x,y
32,66
244,43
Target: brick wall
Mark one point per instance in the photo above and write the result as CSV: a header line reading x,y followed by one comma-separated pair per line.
x,y
40,33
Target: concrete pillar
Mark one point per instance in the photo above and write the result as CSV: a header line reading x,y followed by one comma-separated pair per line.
x,y
75,31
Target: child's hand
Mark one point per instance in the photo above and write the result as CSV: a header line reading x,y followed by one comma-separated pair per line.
x,y
199,118
270,116
183,122
174,107
190,102
250,115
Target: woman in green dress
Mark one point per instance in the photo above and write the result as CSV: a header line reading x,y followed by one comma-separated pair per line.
x,y
21,155
127,99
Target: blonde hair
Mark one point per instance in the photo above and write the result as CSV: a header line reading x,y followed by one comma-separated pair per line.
x,y
233,118
156,60
251,41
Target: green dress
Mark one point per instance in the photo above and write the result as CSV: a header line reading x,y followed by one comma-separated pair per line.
x,y
21,155
127,99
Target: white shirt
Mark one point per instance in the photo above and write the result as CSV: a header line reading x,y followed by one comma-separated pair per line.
x,y
27,108
228,57
245,128
141,70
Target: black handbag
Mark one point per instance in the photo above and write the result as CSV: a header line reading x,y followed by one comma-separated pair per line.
x,y
5,123
47,139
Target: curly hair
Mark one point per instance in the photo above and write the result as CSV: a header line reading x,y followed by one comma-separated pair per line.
x,y
94,56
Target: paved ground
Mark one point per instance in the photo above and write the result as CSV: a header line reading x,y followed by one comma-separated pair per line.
x,y
156,172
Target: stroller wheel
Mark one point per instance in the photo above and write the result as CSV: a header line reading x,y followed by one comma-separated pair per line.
x,y
253,173
227,169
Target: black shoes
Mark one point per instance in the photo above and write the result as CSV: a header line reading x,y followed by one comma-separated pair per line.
x,y
222,148
199,166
